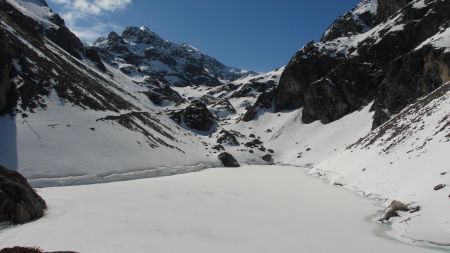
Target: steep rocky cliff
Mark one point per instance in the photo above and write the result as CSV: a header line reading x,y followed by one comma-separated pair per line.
x,y
378,51
5,69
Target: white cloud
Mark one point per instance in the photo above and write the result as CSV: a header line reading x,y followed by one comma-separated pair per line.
x,y
96,7
89,10
89,34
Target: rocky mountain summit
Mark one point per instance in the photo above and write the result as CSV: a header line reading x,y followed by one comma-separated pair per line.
x,y
140,52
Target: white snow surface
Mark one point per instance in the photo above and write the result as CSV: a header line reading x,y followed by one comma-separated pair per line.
x,y
404,163
248,209
366,6
35,9
439,40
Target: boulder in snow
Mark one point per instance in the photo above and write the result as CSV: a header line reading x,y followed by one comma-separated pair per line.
x,y
228,160
19,203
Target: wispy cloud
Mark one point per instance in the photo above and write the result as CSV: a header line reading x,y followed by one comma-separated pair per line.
x,y
89,11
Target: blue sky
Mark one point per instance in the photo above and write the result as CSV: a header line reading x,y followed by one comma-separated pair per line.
x,y
257,35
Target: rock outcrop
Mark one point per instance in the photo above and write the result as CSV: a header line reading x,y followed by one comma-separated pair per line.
x,y
228,138
228,160
264,101
19,203
195,116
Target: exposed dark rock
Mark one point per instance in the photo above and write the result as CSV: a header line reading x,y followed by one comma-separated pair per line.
x,y
439,187
68,41
329,82
228,160
341,91
304,68
250,114
226,137
387,8
196,116
5,69
19,203
264,101
28,250
223,108
218,147
253,88
253,143
415,209
394,208
408,78
92,54
158,93
268,158
21,250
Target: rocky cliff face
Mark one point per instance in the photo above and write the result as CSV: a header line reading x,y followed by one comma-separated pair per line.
x,y
379,51
5,69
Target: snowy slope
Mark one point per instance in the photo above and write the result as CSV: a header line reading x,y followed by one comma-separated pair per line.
x,y
302,144
404,160
439,40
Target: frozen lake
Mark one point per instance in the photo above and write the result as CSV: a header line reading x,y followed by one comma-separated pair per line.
x,y
248,209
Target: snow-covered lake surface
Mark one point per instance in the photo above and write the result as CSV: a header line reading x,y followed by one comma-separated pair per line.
x,y
248,209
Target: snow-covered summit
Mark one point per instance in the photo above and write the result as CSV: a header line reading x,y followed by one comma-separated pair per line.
x,y
144,53
366,6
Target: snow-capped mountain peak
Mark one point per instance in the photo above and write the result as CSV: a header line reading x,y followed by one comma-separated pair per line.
x,y
138,51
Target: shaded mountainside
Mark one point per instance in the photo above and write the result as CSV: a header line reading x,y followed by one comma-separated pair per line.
x,y
375,52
